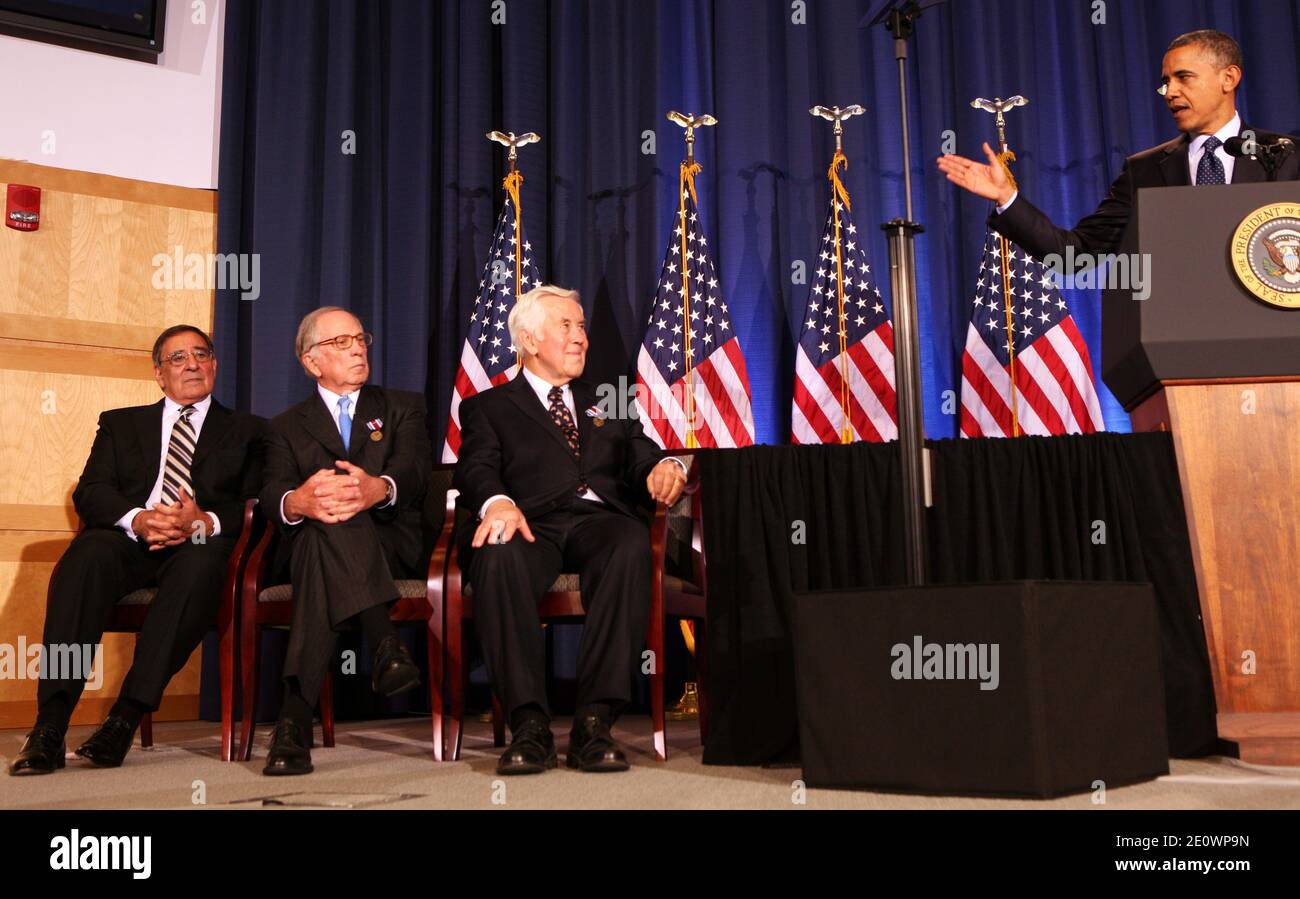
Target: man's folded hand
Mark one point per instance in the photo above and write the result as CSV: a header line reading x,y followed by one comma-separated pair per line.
x,y
325,496
666,482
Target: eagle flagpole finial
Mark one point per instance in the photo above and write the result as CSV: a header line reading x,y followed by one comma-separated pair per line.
x,y
837,115
690,122
509,140
999,107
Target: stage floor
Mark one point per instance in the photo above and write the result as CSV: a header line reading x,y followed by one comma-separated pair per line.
x,y
389,764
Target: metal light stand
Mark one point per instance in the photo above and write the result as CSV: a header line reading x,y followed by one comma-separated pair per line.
x,y
899,20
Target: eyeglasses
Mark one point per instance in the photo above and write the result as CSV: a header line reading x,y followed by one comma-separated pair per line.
x,y
180,358
344,341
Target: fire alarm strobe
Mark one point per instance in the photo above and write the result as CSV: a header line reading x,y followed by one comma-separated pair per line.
x,y
23,207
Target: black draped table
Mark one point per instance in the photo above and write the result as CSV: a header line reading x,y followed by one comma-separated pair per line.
x,y
781,520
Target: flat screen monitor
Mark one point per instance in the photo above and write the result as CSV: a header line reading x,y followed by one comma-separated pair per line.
x,y
132,29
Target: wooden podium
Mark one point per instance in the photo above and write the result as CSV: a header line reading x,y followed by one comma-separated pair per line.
x,y
1204,359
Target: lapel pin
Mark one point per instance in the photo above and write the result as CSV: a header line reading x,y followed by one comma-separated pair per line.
x,y
594,414
376,429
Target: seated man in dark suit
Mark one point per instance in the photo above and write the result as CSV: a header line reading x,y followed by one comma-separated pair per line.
x,y
1199,80
161,499
346,473
558,487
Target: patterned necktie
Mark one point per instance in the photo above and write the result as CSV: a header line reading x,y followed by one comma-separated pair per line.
x,y
564,421
345,422
1210,169
180,456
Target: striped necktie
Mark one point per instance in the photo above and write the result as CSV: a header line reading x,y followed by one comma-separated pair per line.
x,y
180,456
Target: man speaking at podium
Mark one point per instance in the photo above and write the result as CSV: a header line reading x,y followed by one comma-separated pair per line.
x,y
1199,80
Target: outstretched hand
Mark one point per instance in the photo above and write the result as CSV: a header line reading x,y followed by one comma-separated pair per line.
x,y
988,181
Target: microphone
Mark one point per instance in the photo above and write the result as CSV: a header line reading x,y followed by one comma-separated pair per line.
x,y
1269,147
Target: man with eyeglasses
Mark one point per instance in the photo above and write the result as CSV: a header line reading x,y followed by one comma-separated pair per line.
x,y
161,500
1199,80
346,474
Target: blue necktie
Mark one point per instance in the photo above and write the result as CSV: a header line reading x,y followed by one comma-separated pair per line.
x,y
345,421
1210,169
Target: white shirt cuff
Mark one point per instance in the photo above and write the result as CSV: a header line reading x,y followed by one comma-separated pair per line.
x,y
393,501
490,500
216,523
680,463
1007,205
282,516
126,522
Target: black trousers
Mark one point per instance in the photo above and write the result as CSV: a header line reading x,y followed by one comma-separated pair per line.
x,y
337,571
100,567
611,554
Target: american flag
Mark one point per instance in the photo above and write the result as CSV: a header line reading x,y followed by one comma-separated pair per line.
x,y
867,334
488,357
719,390
1055,391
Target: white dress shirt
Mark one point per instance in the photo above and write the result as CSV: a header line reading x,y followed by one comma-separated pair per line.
x,y
542,388
331,400
1197,149
1232,129
171,414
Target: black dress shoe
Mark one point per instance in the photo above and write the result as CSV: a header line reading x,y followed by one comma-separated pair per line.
x,y
108,746
289,753
532,750
394,672
591,748
42,753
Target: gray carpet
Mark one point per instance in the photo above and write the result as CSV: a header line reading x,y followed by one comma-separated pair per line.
x,y
389,764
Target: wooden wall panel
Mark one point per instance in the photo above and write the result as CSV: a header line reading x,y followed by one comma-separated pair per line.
x,y
22,609
57,413
79,311
96,259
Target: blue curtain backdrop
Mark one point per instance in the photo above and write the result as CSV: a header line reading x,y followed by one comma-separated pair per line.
x,y
397,230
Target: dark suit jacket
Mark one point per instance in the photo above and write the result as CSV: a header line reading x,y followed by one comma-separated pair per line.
x,y
510,445
1103,230
304,439
124,462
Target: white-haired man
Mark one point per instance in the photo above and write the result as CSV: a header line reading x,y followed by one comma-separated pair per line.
x,y
346,473
557,486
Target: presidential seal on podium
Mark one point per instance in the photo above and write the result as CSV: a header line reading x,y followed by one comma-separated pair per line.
x,y
1265,251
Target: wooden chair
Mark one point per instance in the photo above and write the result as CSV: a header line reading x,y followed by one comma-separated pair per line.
x,y
263,606
453,606
129,614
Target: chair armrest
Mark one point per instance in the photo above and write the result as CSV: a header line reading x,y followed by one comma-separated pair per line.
x,y
442,563
252,528
248,534
255,569
658,538
659,541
